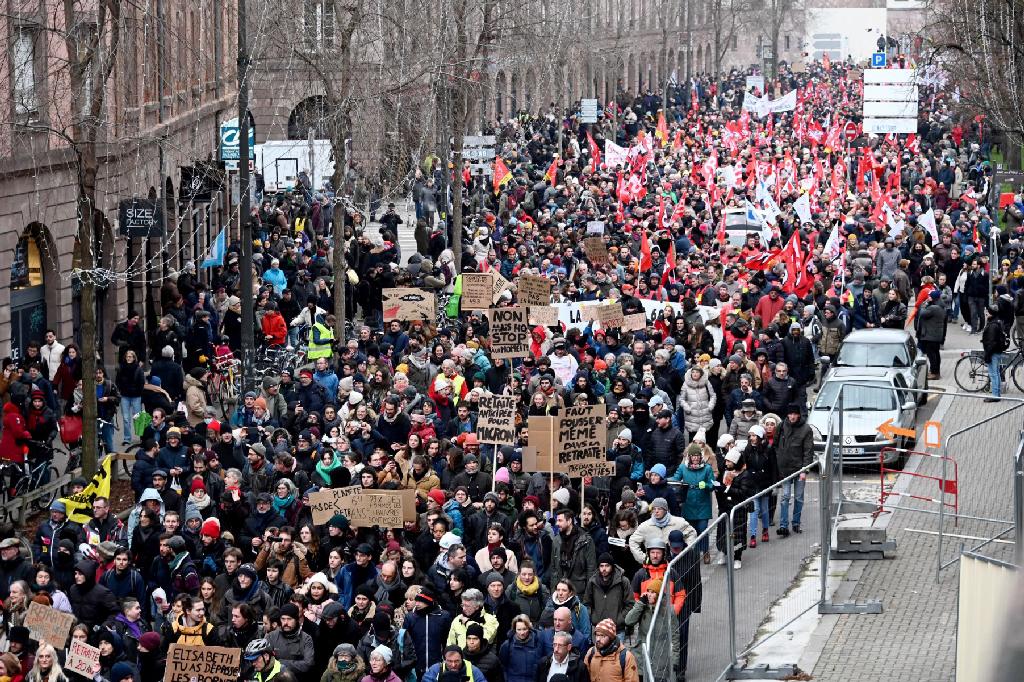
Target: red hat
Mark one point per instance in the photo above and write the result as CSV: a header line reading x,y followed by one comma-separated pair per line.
x,y
437,495
210,528
306,372
213,426
534,499
197,483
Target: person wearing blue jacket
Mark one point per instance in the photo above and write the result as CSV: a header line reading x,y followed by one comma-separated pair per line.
x,y
522,652
698,482
428,626
454,662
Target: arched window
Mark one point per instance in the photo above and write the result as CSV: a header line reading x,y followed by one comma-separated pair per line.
x,y
309,114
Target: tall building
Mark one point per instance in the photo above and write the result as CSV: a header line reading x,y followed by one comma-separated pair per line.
x,y
172,83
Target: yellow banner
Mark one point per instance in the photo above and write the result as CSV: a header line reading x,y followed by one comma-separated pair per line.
x,y
80,506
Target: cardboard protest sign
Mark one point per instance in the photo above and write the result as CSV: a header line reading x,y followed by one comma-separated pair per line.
x,y
799,67
595,227
49,624
582,435
509,332
327,502
497,422
498,285
596,250
199,663
362,507
543,440
530,459
609,316
476,291
545,316
634,322
81,658
534,290
404,303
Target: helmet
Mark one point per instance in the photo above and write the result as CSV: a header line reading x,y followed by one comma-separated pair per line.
x,y
655,543
257,648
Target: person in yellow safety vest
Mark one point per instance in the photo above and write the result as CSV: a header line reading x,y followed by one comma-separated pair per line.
x,y
260,655
321,338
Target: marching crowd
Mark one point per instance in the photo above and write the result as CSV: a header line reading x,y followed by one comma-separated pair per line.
x,y
507,574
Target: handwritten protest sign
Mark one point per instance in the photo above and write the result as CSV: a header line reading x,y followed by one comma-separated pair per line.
x,y
327,502
634,322
362,506
543,439
49,624
534,290
509,333
405,303
81,658
498,285
609,316
545,316
476,290
202,664
582,435
597,252
497,422
595,227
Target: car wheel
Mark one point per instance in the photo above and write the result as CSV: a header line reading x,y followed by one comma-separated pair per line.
x,y
922,398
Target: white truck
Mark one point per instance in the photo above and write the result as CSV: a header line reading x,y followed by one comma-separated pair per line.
x,y
281,161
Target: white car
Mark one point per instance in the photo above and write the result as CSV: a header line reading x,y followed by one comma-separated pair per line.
x,y
871,397
894,348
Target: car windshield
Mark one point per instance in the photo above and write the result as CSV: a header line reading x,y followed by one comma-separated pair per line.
x,y
857,396
873,355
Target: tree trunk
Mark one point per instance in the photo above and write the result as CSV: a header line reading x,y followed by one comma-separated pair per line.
x,y
457,195
87,302
339,180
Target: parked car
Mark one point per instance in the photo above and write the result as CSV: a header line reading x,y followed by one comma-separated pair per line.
x,y
872,396
892,348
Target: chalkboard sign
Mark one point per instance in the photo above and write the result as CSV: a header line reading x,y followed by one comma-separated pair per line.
x,y
141,218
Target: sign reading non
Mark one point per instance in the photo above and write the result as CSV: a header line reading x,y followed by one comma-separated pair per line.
x,y
509,333
596,250
497,422
81,658
141,218
582,436
534,290
476,291
46,623
406,303
200,663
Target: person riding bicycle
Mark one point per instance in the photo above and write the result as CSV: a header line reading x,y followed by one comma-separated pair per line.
x,y
275,330
42,424
223,356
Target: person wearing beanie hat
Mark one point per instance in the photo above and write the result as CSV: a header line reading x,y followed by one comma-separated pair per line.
x,y
737,486
149,642
609,659
210,528
348,665
609,593
561,496
698,478
123,671
380,659
641,618
292,647
479,652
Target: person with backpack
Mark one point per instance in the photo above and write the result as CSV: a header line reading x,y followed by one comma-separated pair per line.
x,y
994,340
609,660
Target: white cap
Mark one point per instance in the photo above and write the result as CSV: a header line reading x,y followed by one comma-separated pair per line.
x,y
561,496
701,436
733,455
449,540
756,430
724,440
626,434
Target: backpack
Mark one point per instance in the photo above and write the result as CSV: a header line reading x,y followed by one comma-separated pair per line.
x,y
622,659
411,676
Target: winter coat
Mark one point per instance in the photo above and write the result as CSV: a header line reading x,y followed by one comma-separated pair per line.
x,y
12,442
697,501
641,618
610,599
195,401
648,530
740,426
91,603
794,448
931,322
532,605
609,668
293,649
698,402
424,624
573,558
575,670
666,447
521,659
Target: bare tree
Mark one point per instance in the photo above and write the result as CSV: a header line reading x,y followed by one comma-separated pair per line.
x,y
726,17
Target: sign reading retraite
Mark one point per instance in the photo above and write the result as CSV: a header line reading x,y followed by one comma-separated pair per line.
x,y
497,422
81,658
46,623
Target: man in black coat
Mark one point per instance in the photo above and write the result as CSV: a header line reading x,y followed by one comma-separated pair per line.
x,y
931,330
994,340
800,360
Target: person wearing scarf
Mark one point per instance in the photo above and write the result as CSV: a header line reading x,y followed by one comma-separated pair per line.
x,y
328,463
284,500
380,666
199,499
246,588
348,666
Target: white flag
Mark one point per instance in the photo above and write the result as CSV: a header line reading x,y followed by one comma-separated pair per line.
x,y
614,155
895,226
927,221
785,103
802,206
833,246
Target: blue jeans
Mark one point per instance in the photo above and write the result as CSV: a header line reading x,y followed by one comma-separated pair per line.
x,y
700,525
760,511
795,489
107,434
129,408
993,374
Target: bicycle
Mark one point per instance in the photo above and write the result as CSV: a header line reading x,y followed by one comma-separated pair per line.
x,y
225,385
971,370
18,479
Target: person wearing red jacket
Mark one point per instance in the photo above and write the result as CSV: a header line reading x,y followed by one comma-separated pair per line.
x,y
12,443
275,329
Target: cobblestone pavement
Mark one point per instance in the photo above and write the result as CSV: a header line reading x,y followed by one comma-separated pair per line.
x,y
915,637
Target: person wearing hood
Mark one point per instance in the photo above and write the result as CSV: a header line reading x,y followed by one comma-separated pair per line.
x,y
794,450
246,588
335,628
345,665
609,593
112,652
292,646
383,633
92,604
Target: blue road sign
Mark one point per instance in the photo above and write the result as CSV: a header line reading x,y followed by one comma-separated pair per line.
x,y
878,60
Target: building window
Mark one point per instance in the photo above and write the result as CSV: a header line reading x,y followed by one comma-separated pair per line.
x,y
23,60
318,19
787,42
734,41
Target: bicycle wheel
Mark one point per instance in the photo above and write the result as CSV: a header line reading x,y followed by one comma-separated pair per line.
x,y
1015,371
971,374
50,475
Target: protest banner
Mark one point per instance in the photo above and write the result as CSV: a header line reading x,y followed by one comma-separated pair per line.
x,y
497,421
362,507
200,663
404,303
543,439
79,506
476,291
81,658
595,227
596,250
582,436
327,502
534,290
634,322
46,623
498,286
509,332
609,316
545,316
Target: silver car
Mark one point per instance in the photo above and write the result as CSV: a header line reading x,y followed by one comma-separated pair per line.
x,y
872,397
893,348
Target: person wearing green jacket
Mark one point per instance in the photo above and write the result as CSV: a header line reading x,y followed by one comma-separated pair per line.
x,y
698,481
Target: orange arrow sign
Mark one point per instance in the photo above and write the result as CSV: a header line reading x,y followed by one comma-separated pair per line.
x,y
890,431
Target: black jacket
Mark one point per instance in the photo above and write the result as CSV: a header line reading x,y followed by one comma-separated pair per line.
x,y
993,338
91,603
794,448
576,672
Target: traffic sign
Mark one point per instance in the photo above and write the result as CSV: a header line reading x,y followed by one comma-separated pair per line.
x,y
588,111
878,60
229,134
850,131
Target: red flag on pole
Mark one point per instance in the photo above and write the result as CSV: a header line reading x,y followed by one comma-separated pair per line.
x,y
595,151
645,252
661,132
501,174
552,173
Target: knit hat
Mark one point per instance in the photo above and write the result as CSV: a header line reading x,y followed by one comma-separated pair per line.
x,y
197,484
660,470
475,630
290,610
627,496
626,434
176,544
605,558
345,648
249,571
654,584
339,521
381,622
437,495
210,528
384,652
493,577
502,475
659,503
150,641
606,627
449,540
122,670
733,455
561,496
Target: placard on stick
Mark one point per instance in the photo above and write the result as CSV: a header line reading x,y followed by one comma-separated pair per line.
x,y
405,303
202,663
509,332
609,316
545,316
49,624
634,321
476,291
81,658
596,250
534,290
543,440
498,285
595,227
582,435
497,422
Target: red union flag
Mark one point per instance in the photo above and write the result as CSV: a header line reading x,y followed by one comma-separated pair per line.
x,y
502,175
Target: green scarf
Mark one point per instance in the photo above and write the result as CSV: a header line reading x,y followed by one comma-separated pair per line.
x,y
281,505
325,471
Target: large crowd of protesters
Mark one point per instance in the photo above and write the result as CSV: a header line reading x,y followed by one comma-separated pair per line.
x,y
507,574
